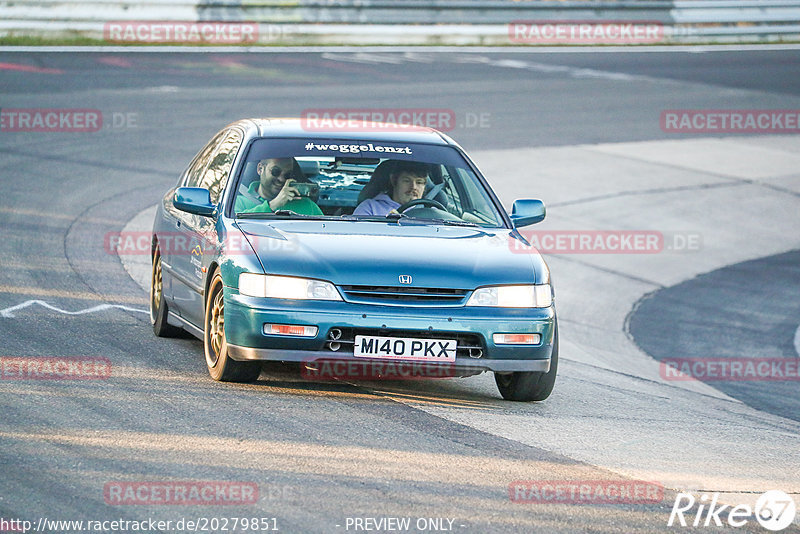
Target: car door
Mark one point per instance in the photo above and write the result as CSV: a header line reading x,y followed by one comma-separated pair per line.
x,y
197,235
172,253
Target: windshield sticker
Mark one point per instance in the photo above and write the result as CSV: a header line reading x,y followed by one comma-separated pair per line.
x,y
358,149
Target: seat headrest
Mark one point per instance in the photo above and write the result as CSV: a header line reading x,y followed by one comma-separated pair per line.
x,y
379,181
250,173
309,168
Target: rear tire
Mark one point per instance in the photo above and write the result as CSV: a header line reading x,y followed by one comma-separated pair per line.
x,y
529,386
158,305
220,366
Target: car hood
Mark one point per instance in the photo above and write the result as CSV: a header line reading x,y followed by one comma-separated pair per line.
x,y
377,253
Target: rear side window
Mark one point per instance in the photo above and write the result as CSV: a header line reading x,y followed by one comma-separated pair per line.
x,y
211,168
192,175
216,174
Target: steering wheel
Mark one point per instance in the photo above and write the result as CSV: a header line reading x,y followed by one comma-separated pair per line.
x,y
421,202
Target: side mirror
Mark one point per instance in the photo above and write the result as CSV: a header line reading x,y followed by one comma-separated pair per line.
x,y
527,211
195,200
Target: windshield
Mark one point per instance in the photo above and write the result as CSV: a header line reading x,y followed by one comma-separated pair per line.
x,y
361,181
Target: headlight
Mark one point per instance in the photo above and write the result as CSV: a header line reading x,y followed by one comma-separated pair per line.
x,y
286,287
529,296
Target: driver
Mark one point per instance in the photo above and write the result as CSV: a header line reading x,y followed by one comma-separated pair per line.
x,y
408,181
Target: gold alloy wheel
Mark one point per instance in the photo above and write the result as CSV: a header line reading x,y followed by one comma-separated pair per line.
x,y
158,304
156,285
217,325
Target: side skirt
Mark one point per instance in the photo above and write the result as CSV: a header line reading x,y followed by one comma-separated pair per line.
x,y
180,322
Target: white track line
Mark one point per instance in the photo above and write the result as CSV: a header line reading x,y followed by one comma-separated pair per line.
x,y
9,312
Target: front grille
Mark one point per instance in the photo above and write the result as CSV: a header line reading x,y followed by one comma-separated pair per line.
x,y
464,341
405,295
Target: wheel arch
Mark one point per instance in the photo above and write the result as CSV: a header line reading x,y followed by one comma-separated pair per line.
x,y
213,267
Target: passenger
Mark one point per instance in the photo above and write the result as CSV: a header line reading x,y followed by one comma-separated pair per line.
x,y
274,190
407,182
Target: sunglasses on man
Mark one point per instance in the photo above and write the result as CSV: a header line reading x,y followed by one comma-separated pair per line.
x,y
277,171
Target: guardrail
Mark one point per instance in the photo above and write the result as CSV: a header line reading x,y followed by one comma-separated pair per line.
x,y
413,21
762,19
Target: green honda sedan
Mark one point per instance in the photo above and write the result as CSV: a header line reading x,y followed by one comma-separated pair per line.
x,y
378,247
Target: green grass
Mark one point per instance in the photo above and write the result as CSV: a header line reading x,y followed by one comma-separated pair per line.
x,y
23,40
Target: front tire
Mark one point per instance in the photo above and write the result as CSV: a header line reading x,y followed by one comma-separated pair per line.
x,y
529,386
220,366
158,304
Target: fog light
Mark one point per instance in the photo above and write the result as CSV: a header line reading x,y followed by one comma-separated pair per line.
x,y
290,330
517,339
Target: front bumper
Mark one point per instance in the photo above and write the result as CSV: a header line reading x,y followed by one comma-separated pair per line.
x,y
245,317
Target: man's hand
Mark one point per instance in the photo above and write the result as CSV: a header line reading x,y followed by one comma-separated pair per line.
x,y
287,194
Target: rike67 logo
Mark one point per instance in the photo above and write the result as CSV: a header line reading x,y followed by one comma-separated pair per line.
x,y
774,510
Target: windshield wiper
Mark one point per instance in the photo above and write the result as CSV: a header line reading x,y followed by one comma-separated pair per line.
x,y
396,215
279,213
290,213
448,222
374,218
458,223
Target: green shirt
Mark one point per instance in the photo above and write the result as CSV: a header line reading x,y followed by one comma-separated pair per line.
x,y
249,204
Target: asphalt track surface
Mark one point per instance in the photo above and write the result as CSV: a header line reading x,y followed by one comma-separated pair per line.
x,y
707,311
322,453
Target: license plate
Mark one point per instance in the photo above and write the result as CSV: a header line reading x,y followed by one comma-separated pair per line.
x,y
405,348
